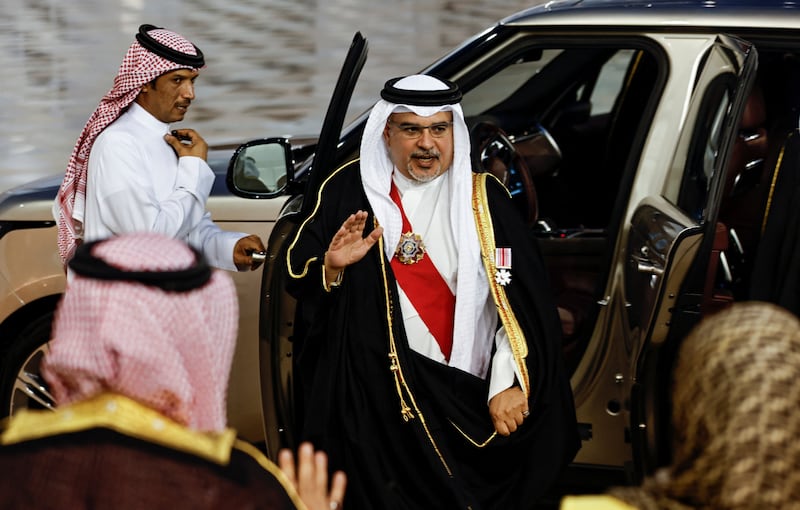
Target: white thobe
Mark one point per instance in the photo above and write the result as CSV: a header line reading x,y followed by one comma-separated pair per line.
x,y
428,210
136,183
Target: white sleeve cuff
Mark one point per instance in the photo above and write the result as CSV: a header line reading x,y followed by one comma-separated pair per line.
x,y
504,369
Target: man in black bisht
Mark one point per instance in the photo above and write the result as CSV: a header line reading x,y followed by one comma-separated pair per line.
x,y
429,366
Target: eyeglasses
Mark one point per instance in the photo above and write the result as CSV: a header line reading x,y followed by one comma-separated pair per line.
x,y
414,131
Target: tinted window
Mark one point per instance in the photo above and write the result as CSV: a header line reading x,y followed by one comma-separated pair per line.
x,y
591,101
705,149
563,126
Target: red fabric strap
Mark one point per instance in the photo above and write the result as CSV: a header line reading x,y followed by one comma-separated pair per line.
x,y
427,290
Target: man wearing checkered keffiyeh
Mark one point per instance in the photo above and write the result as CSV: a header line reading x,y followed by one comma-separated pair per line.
x,y
130,172
142,347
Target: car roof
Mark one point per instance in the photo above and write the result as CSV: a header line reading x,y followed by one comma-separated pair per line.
x,y
662,13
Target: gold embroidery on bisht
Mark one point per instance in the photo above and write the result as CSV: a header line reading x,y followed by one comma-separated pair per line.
x,y
294,274
395,366
483,219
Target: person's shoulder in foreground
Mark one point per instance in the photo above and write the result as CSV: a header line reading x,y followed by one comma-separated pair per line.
x,y
594,502
142,346
735,418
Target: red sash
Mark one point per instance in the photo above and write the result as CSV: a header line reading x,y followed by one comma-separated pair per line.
x,y
427,290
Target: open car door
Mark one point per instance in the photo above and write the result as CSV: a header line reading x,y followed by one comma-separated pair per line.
x,y
673,250
277,314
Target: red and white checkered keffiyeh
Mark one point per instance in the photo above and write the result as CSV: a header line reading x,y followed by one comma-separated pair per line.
x,y
139,67
171,351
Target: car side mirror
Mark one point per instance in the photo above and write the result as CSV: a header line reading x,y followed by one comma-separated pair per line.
x,y
261,168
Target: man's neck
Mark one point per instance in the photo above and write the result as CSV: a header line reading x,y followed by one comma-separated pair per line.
x,y
144,116
403,182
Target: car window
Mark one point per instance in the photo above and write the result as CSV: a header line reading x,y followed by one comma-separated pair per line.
x,y
561,126
500,86
610,82
705,150
589,101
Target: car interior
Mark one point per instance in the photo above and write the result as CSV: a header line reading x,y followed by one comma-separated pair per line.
x,y
752,252
561,127
763,159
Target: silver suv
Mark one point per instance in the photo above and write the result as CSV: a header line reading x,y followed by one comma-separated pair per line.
x,y
32,279
651,146
648,144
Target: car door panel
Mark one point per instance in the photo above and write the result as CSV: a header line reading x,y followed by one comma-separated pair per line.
x,y
661,247
281,319
672,242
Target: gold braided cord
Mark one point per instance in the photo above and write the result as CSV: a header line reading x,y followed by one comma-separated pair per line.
x,y
474,443
397,369
775,174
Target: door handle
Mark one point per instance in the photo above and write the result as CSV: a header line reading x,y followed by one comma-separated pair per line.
x,y
646,267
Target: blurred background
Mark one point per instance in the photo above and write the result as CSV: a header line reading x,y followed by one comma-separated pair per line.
x,y
271,64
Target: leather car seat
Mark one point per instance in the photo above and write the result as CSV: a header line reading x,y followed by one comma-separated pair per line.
x,y
739,219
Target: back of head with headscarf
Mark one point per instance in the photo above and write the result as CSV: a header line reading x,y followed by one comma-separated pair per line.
x,y
425,96
146,317
154,52
736,416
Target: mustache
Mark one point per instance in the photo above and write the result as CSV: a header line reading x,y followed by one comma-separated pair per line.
x,y
433,153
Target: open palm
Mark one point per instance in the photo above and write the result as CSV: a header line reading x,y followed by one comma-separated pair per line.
x,y
349,245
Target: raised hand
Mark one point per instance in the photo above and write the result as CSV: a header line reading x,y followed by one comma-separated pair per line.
x,y
309,475
349,245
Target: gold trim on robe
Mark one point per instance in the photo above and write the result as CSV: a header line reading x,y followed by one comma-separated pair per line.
x,y
483,219
128,417
119,413
292,273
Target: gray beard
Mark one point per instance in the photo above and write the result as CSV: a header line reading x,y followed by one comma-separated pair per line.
x,y
424,178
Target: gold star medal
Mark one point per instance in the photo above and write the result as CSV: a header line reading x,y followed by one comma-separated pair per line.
x,y
410,249
502,261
